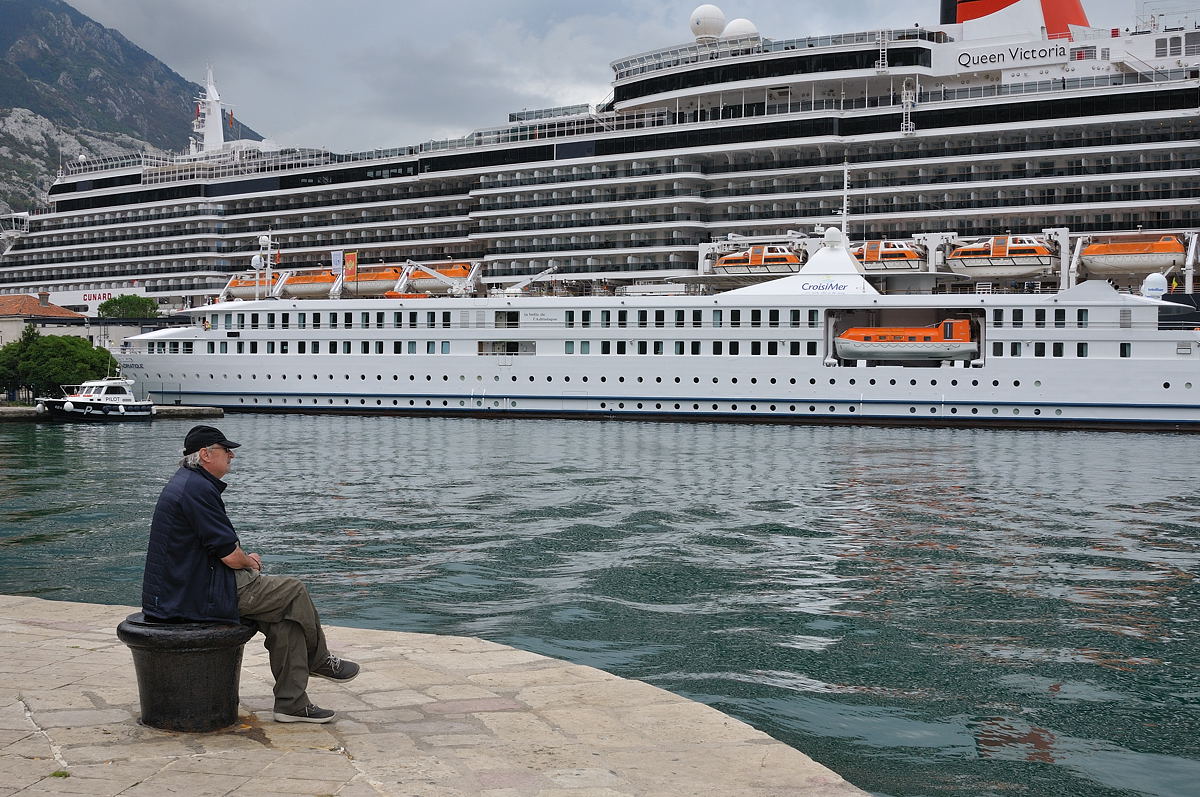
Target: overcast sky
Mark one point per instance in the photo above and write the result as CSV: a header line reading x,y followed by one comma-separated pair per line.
x,y
353,75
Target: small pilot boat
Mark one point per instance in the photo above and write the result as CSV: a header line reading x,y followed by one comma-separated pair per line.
x,y
1002,256
1120,255
889,254
766,259
107,399
946,340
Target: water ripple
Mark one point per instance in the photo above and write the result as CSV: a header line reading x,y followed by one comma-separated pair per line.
x,y
974,613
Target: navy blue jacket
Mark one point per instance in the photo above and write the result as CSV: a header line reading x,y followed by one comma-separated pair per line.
x,y
190,532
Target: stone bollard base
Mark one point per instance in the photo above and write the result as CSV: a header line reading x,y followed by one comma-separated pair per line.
x,y
187,673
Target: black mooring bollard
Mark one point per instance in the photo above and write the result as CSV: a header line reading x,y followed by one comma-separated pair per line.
x,y
187,673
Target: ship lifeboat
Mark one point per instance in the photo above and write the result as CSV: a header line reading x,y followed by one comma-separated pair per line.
x,y
249,287
1123,255
421,281
309,284
889,254
319,283
1002,256
371,283
947,340
768,259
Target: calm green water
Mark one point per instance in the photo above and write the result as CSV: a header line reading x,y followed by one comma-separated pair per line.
x,y
928,612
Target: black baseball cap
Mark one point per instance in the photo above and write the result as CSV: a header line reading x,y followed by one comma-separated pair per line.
x,y
204,436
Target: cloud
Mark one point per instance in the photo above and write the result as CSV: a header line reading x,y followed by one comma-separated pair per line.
x,y
363,74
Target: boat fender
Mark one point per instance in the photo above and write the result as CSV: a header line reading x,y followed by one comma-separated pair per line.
x,y
40,409
69,406
105,408
121,410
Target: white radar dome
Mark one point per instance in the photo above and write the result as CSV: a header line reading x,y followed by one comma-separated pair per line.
x,y
739,28
1154,286
707,22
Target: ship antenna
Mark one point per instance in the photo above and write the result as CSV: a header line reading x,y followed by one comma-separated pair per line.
x,y
846,199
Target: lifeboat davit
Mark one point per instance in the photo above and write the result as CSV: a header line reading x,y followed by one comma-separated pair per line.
x,y
249,287
1121,255
767,259
1002,256
889,254
946,340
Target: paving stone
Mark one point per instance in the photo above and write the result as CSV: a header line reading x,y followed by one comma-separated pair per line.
x,y
430,716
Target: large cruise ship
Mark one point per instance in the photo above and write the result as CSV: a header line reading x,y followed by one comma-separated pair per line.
x,y
1006,120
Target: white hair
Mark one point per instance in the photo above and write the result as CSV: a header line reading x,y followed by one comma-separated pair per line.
x,y
191,460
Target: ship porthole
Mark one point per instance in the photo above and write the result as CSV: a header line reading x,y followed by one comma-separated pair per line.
x,y
1166,385
1058,412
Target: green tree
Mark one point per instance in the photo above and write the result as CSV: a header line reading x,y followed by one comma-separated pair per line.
x,y
55,360
128,305
12,355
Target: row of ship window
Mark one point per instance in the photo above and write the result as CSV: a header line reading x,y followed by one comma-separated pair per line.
x,y
1017,317
511,319
770,348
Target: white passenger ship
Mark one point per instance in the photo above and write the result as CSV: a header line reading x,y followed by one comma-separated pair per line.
x,y
1086,356
1008,118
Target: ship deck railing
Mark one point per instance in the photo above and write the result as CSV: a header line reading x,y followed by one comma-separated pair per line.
x,y
160,170
719,49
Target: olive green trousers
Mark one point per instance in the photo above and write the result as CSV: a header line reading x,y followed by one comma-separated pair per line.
x,y
284,612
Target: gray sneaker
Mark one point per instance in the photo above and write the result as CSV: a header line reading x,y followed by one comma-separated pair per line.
x,y
335,669
309,713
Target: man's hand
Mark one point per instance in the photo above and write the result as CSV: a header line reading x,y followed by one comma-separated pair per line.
x,y
240,560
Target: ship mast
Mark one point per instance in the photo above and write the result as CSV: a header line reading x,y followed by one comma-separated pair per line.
x,y
210,133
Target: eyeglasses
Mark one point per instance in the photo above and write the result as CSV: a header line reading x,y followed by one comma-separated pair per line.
x,y
228,451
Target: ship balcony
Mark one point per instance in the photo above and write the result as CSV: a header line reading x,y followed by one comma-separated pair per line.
x,y
665,245
524,229
598,175
548,204
693,174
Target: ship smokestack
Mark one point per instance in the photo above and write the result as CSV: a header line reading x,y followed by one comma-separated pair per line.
x,y
1058,15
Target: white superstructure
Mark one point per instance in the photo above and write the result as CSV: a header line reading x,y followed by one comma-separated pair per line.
x,y
1014,123
1087,356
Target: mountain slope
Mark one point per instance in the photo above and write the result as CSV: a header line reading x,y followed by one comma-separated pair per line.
x,y
84,89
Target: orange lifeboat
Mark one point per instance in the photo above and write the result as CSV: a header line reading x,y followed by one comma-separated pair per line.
x,y
1002,256
768,259
363,283
249,286
1133,254
308,284
421,280
946,340
888,254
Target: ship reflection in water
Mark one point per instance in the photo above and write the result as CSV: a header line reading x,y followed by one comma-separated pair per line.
x,y
928,612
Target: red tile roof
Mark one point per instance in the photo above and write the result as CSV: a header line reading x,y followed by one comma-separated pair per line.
x,y
26,306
